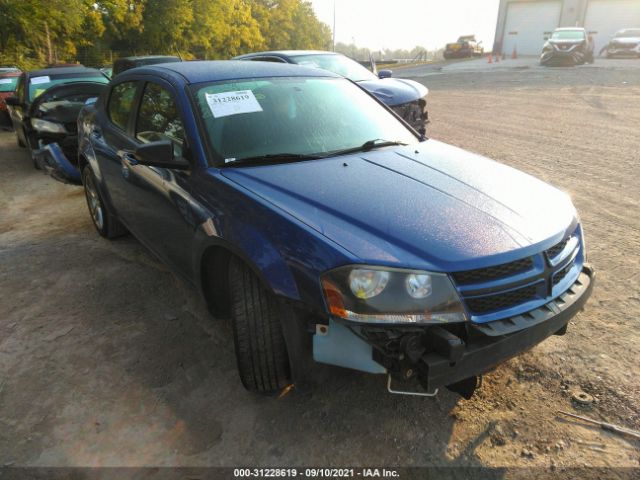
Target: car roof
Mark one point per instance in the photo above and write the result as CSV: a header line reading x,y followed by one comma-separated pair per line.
x,y
221,70
287,53
62,71
562,29
145,57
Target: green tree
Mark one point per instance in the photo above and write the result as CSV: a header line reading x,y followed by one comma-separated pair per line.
x,y
224,28
36,32
166,25
308,32
291,24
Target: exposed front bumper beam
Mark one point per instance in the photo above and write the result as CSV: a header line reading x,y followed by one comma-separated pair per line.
x,y
484,352
54,162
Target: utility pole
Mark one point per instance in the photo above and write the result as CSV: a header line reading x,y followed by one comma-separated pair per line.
x,y
334,26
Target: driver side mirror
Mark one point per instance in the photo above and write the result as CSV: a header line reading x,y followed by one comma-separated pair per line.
x,y
13,101
159,154
385,74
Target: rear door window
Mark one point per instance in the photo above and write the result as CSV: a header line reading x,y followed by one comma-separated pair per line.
x,y
158,118
121,103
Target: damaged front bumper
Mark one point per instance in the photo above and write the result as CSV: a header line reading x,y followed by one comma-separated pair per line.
x,y
53,161
560,57
415,113
448,355
624,51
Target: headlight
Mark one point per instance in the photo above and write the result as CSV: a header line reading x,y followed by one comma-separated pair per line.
x,y
367,283
47,126
378,295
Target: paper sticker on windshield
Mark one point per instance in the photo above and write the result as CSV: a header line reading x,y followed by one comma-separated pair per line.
x,y
4,81
39,80
232,103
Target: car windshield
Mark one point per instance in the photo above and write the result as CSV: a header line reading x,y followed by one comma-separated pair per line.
x,y
568,35
299,116
8,84
337,64
37,85
628,33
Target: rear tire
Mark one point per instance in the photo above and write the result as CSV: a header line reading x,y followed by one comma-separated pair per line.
x,y
105,222
261,352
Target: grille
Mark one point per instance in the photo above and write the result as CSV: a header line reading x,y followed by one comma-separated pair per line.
x,y
559,275
492,273
557,248
482,305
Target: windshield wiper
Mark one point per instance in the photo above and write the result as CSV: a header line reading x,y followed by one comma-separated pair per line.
x,y
369,145
299,157
271,159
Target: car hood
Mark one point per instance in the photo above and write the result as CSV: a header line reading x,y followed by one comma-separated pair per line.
x,y
431,206
395,91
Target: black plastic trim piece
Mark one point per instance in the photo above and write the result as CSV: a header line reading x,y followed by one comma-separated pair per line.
x,y
485,352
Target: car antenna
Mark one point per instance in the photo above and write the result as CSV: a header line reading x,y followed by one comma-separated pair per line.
x,y
179,54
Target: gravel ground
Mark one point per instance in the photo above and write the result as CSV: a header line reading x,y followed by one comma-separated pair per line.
x,y
107,359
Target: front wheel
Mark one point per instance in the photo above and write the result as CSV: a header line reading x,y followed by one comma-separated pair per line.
x,y
19,140
106,224
32,156
261,352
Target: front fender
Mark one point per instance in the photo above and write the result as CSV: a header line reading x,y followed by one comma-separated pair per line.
x,y
269,266
287,255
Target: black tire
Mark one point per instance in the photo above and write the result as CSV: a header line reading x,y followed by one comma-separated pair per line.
x,y
36,165
105,222
261,352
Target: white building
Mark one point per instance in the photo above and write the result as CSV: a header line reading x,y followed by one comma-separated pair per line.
x,y
524,24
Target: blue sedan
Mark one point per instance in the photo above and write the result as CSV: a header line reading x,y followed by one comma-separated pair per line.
x,y
326,229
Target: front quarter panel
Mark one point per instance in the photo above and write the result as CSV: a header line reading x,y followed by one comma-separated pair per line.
x,y
286,254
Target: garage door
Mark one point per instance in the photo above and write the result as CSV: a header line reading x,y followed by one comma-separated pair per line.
x,y
526,25
606,17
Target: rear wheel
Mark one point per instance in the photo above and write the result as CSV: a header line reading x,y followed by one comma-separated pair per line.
x,y
106,224
261,352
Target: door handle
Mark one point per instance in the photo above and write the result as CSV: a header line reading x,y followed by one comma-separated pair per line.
x,y
127,157
127,161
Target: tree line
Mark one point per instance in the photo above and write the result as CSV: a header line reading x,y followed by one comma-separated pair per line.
x,y
34,33
417,53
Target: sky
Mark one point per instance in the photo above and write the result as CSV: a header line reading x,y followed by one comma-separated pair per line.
x,y
393,24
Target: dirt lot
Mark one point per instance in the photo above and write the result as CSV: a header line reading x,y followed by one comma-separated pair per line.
x,y
106,358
